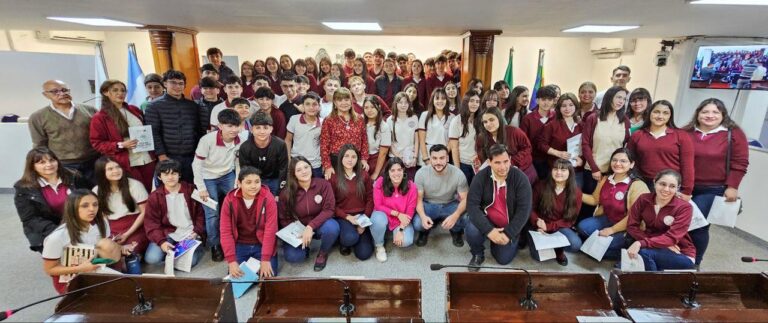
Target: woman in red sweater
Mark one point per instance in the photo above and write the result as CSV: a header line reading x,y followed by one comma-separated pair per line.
x,y
534,122
553,140
557,200
109,133
353,190
343,126
664,243
518,146
660,145
713,134
249,224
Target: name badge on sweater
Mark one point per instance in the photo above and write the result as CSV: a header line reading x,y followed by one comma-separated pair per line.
x,y
619,196
318,199
668,220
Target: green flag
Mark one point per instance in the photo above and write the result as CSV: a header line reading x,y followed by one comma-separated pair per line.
x,y
508,75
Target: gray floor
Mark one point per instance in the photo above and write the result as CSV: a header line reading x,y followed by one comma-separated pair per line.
x,y
22,279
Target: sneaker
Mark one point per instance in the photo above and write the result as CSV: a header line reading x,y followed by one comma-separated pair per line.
x,y
381,254
562,260
321,260
477,260
345,251
423,238
217,255
458,239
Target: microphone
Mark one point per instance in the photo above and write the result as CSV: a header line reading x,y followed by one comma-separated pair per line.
x,y
527,302
143,307
752,259
690,300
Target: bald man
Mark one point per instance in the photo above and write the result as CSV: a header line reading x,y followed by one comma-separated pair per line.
x,y
63,127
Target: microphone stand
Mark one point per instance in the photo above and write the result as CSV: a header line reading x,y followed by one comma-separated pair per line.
x,y
346,309
690,300
527,302
143,307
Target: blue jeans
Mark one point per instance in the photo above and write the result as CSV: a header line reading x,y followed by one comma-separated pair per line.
x,y
469,172
217,189
573,239
595,223
245,251
703,196
662,259
273,184
438,212
504,254
362,244
327,233
318,172
579,178
154,255
380,226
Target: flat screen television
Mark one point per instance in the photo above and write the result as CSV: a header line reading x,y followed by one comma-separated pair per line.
x,y
731,67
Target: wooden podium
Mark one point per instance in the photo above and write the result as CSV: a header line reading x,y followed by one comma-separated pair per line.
x,y
495,297
393,300
175,299
722,297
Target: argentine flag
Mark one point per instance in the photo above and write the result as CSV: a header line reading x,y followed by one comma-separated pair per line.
x,y
137,93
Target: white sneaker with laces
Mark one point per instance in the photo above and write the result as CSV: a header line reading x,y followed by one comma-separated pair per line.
x,y
381,254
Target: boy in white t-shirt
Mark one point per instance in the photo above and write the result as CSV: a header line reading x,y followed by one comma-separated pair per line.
x,y
303,136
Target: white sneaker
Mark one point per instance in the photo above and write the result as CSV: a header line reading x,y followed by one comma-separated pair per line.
x,y
381,254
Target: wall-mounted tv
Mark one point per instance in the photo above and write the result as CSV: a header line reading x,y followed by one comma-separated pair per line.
x,y
731,67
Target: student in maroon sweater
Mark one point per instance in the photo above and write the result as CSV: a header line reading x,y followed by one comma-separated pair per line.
x,y
249,224
273,73
518,146
378,63
664,243
587,105
709,130
360,92
265,99
557,200
439,79
534,122
660,145
354,191
360,70
310,201
300,68
553,140
389,83
419,80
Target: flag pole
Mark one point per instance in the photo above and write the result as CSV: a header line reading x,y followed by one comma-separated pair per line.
x,y
100,48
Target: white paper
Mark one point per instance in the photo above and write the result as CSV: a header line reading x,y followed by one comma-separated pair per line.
x,y
574,148
184,262
595,246
292,233
698,220
601,319
549,240
209,203
169,261
628,264
363,221
546,254
103,269
144,135
724,213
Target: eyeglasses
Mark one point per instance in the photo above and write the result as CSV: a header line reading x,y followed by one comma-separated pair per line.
x,y
58,91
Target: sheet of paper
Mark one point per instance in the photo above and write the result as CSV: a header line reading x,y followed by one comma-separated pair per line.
x,y
724,213
250,271
601,319
103,269
363,221
184,261
144,135
549,240
209,202
595,246
628,264
291,234
546,254
169,260
698,220
574,147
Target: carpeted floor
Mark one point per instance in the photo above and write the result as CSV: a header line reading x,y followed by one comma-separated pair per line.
x,y
22,279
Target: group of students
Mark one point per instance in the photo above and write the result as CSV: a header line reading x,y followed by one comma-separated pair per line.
x,y
482,165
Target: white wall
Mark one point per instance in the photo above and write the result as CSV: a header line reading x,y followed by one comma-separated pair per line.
x,y
752,193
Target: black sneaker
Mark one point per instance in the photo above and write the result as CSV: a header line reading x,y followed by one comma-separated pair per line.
x,y
320,261
217,254
345,251
477,260
458,239
562,260
423,238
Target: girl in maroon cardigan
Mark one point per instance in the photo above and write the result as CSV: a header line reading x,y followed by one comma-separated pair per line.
x,y
249,224
343,126
273,74
553,140
419,80
709,130
517,106
358,69
664,242
518,146
534,122
557,201
109,133
300,68
353,190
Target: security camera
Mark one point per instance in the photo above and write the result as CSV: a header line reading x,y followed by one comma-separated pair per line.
x,y
661,58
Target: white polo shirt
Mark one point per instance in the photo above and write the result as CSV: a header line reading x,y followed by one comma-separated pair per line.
x,y
115,200
376,141
467,151
54,243
213,158
306,139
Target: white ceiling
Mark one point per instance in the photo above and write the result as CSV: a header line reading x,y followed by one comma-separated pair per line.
x,y
658,18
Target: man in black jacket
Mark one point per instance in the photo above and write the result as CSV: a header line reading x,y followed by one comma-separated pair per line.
x,y
499,205
176,124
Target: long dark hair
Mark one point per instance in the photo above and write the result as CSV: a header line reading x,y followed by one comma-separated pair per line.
x,y
416,104
386,185
489,95
421,75
105,187
728,123
364,74
512,107
647,115
484,137
111,110
341,178
465,114
568,97
377,120
409,113
71,216
320,72
288,194
456,100
431,105
607,105
29,179
546,204
268,72
642,94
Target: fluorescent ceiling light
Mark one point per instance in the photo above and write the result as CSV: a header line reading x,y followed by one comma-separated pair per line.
x,y
733,2
598,29
366,26
104,22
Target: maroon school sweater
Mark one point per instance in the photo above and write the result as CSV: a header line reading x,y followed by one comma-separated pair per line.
x,y
674,151
555,135
349,202
668,228
312,207
532,127
433,82
554,219
710,151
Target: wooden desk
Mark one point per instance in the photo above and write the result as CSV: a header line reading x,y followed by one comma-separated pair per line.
x,y
495,296
654,297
